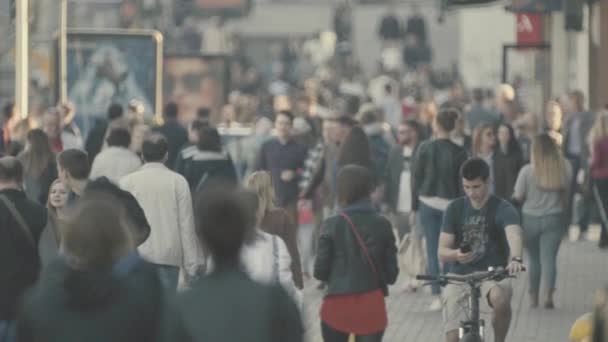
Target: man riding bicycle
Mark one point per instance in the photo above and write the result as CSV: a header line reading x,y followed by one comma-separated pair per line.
x,y
479,231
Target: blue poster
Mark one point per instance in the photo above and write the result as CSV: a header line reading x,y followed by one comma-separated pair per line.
x,y
107,68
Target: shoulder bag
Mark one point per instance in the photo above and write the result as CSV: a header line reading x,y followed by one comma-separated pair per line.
x,y
363,247
20,220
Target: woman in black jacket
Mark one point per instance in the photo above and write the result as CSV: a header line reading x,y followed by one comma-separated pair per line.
x,y
437,177
357,258
508,160
99,290
39,165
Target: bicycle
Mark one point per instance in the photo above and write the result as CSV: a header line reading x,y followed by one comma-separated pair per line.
x,y
472,330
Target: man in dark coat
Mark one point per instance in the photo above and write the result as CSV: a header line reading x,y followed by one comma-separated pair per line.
x,y
176,135
21,224
97,136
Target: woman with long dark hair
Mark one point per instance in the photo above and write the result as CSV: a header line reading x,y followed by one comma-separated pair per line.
x,y
38,162
436,177
356,150
508,159
99,290
484,143
543,187
357,259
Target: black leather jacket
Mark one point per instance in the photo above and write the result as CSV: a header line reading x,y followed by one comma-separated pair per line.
x,y
342,263
437,170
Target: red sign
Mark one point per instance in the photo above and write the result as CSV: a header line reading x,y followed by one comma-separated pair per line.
x,y
529,29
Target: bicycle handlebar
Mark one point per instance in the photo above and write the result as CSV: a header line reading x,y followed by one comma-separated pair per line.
x,y
476,277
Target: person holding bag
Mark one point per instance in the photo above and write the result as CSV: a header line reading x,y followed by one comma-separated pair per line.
x,y
357,258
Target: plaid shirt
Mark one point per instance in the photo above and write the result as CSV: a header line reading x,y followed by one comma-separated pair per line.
x,y
312,166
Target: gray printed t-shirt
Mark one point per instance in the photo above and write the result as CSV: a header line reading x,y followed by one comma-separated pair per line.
x,y
537,202
483,230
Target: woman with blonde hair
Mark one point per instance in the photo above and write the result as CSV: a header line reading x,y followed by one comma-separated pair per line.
x,y
427,113
50,239
276,221
598,145
554,117
543,187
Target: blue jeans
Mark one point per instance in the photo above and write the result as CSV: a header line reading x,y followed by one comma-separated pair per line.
x,y
7,331
543,236
168,277
431,220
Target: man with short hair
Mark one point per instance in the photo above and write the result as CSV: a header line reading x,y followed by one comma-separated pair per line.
x,y
176,135
96,137
117,160
166,200
21,224
73,168
577,150
284,159
479,231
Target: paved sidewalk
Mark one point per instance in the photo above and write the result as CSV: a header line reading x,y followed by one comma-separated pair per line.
x,y
583,268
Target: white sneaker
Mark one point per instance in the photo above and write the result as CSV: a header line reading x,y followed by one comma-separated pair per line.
x,y
435,305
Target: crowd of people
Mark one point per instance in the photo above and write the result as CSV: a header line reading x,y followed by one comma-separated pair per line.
x,y
141,231
110,224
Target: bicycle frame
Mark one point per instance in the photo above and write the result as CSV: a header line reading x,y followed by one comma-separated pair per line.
x,y
474,327
471,330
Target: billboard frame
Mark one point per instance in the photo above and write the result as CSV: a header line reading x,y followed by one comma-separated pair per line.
x,y
61,92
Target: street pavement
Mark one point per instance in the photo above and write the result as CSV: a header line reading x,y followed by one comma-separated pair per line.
x,y
582,270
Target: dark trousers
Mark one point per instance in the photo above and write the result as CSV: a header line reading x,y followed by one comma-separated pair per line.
x,y
331,335
292,210
600,191
585,210
7,331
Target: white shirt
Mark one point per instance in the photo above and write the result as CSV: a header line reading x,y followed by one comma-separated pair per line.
x,y
71,141
114,163
267,262
167,203
404,204
392,110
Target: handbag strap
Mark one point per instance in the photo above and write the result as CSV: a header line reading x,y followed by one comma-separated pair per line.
x,y
20,221
361,243
275,260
